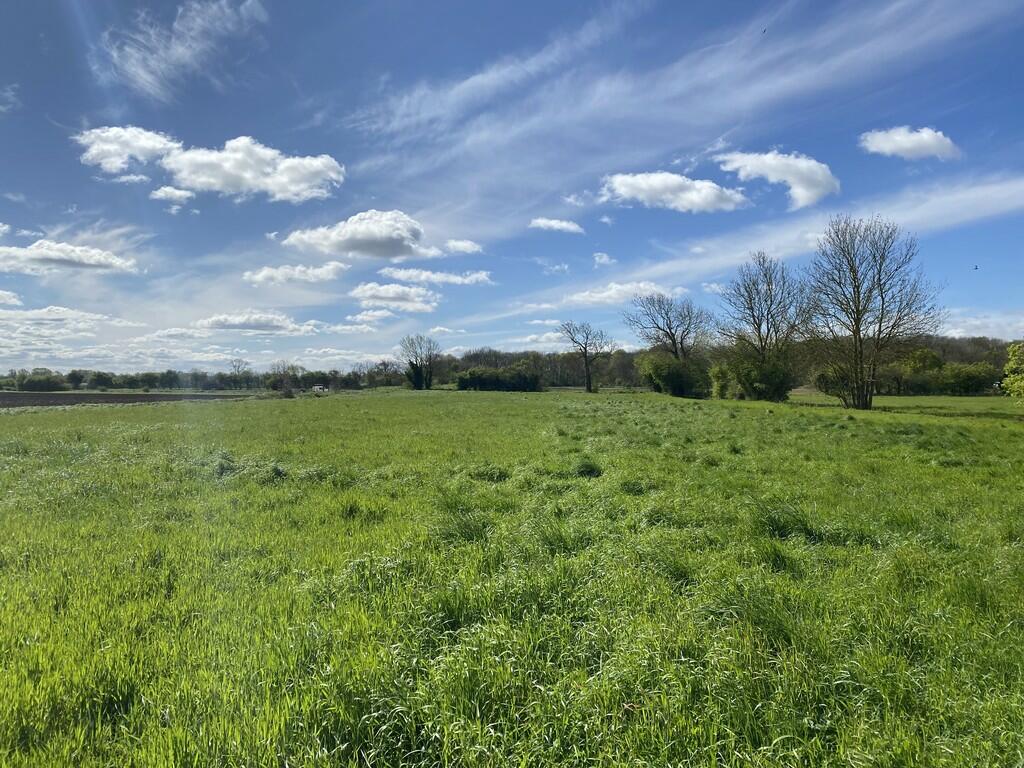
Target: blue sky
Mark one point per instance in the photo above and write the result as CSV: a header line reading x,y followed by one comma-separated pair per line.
x,y
182,185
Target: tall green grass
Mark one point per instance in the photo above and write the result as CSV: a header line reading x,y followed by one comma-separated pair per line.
x,y
504,579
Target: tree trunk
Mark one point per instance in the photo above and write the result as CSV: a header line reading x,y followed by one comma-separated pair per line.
x,y
586,376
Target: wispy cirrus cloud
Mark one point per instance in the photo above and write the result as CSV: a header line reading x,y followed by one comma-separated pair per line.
x,y
615,293
155,59
921,209
9,100
437,106
542,134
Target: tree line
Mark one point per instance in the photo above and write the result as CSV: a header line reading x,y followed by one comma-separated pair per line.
x,y
860,320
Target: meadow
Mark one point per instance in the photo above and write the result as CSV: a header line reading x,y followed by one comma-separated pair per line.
x,y
490,579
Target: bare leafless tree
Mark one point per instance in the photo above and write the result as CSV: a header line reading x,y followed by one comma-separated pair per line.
x,y
420,354
868,301
675,324
590,343
765,309
238,366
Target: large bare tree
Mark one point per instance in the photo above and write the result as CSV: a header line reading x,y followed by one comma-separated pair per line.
x,y
590,343
675,324
868,302
765,311
420,354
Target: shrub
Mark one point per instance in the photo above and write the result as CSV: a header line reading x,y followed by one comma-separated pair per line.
x,y
43,382
831,383
722,384
679,378
515,378
1013,384
770,379
969,378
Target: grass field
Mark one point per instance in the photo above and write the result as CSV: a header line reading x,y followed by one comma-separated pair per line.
x,y
513,580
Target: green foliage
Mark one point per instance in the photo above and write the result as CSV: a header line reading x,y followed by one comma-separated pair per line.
x,y
679,378
923,360
722,382
396,578
417,376
831,383
771,379
511,379
1013,383
969,378
43,382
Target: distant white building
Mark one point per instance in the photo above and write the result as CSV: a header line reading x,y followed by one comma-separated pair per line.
x,y
319,388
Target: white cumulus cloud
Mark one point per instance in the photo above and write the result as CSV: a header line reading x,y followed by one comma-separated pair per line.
x,y
370,316
10,298
443,330
47,255
404,298
463,246
113,148
661,189
547,338
910,144
131,178
1007,324
243,167
556,225
255,322
54,322
807,179
378,234
479,277
603,260
295,273
172,194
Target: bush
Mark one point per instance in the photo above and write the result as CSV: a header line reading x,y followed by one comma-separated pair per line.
x,y
923,383
1013,384
831,383
679,378
43,382
969,378
765,380
514,378
722,384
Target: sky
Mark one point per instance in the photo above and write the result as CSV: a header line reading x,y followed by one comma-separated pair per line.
x,y
182,185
